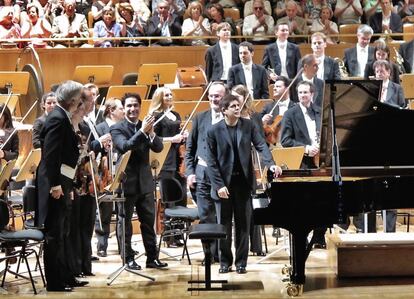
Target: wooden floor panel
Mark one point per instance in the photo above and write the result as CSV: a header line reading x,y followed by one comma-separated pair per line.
x,y
262,281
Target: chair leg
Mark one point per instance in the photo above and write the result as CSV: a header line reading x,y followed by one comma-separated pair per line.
x,y
30,272
185,249
6,268
40,268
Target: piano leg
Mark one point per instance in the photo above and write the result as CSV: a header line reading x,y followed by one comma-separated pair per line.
x,y
299,255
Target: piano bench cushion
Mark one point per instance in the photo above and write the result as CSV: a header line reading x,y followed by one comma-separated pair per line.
x,y
207,231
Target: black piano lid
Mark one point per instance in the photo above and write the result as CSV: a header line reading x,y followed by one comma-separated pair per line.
x,y
370,134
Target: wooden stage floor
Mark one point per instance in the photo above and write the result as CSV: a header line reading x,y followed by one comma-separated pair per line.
x,y
263,280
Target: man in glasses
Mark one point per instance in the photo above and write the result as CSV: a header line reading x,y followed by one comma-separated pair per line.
x,y
196,156
259,24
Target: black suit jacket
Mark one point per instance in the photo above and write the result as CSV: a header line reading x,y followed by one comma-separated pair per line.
x,y
317,96
294,131
220,153
351,60
37,129
59,146
331,69
197,144
375,22
259,78
395,95
271,59
138,171
214,61
174,26
407,52
395,75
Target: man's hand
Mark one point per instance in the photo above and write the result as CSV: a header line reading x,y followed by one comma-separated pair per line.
x,y
223,192
191,180
57,193
147,124
266,119
277,171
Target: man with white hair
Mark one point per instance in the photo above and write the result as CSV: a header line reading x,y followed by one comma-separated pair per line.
x,y
70,25
358,57
259,24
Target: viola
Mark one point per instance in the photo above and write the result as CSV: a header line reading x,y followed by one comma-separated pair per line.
x,y
272,130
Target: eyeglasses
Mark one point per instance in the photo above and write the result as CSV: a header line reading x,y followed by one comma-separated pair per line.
x,y
214,96
258,8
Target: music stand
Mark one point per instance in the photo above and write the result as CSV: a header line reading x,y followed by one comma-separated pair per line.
x,y
118,91
187,94
16,82
12,102
96,74
288,157
156,74
5,175
28,168
114,188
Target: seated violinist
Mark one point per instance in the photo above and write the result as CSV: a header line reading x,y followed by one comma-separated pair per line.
x,y
9,148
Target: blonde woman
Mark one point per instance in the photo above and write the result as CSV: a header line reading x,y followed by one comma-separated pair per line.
x,y
195,24
169,130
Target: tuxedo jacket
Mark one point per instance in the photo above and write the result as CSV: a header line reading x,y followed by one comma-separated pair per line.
x,y
37,129
214,61
197,144
59,146
259,78
331,69
375,22
271,59
127,136
407,53
351,60
395,95
317,96
220,153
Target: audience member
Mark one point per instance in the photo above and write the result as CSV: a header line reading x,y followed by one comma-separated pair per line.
x,y
131,25
195,25
297,25
259,24
348,11
107,27
248,8
386,21
325,25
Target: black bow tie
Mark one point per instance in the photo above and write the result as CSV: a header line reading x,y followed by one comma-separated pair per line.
x,y
311,112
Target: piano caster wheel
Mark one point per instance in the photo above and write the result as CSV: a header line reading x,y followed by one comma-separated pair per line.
x,y
286,270
294,290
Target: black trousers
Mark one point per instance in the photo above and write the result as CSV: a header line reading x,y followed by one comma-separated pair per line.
x,y
86,226
57,227
102,235
238,204
145,208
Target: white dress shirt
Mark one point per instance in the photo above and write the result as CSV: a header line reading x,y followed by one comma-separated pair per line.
x,y
226,54
310,124
282,46
384,90
362,57
247,69
321,68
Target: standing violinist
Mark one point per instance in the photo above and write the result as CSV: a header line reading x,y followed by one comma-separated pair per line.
x,y
168,128
113,113
9,150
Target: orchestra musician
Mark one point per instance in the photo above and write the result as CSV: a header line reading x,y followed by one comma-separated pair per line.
x,y
328,68
301,127
54,182
139,137
168,128
10,150
47,104
230,169
196,157
113,113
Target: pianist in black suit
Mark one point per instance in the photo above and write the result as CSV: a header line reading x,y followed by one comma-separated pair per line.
x,y
230,169
139,137
301,127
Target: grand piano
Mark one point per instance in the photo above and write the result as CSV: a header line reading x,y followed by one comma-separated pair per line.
x,y
366,164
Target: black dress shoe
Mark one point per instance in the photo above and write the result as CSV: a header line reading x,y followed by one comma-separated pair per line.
x,y
132,265
86,273
157,264
101,253
80,275
259,253
94,258
77,283
225,269
241,270
319,245
59,289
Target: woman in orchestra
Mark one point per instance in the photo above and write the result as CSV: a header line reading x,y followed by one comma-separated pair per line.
x,y
246,102
169,130
9,150
48,103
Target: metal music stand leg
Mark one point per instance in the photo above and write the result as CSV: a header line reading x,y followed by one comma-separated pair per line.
x,y
124,266
284,247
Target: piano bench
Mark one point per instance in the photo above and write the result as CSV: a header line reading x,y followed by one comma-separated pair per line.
x,y
207,233
371,255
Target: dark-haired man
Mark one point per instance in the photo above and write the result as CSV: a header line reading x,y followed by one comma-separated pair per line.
x,y
137,136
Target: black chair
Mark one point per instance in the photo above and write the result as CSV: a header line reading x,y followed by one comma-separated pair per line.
x,y
208,233
21,240
130,79
177,219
